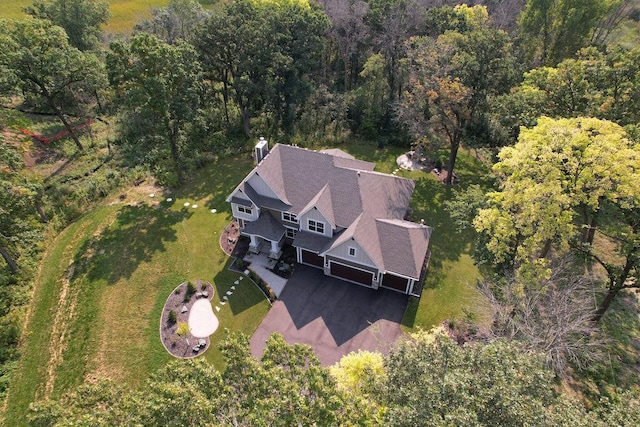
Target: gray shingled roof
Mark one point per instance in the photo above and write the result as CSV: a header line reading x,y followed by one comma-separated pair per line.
x,y
265,226
346,190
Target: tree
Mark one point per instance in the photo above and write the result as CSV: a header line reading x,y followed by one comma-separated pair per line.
x,y
159,86
177,21
451,78
565,181
348,39
431,381
549,311
263,54
594,84
556,29
81,19
288,387
39,61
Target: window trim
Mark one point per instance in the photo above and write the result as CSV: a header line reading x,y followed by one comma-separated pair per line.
x,y
245,210
291,217
317,227
293,231
354,250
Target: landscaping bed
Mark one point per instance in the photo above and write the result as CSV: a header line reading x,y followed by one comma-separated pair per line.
x,y
174,328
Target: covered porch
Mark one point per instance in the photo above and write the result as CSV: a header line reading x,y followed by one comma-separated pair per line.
x,y
266,235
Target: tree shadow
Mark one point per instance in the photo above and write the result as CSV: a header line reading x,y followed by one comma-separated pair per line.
x,y
246,293
137,233
345,308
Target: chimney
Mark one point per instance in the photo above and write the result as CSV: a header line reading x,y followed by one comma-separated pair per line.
x,y
261,150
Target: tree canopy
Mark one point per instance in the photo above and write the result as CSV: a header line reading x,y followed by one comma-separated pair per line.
x,y
81,19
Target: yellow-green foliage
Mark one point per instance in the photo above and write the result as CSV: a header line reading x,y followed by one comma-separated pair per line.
x,y
356,372
304,3
183,329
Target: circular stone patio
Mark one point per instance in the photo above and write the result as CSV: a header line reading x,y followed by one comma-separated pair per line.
x,y
192,316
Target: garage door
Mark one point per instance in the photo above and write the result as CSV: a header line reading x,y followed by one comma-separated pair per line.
x,y
392,281
353,274
312,259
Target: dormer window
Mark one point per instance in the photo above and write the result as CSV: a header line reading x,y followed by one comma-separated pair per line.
x,y
352,251
288,216
245,210
316,226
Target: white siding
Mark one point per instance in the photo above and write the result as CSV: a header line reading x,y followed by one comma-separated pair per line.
x,y
237,214
261,187
315,215
342,251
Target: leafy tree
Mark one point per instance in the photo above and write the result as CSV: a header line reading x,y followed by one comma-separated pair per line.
x,y
263,54
177,21
451,78
159,87
287,388
564,181
595,84
556,29
38,60
81,19
431,381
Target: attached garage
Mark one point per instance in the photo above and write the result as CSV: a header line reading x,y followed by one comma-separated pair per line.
x,y
312,259
352,274
394,282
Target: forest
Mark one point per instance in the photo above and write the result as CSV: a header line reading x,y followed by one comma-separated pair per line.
x,y
541,96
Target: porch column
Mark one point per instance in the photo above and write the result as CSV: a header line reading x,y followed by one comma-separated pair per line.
x,y
253,246
275,249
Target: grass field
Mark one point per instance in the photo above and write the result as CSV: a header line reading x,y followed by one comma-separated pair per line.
x,y
124,13
104,280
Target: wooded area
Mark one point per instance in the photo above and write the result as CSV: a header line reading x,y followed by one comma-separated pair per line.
x,y
543,91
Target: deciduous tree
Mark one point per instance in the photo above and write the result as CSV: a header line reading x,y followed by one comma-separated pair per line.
x,y
81,19
566,182
39,60
159,86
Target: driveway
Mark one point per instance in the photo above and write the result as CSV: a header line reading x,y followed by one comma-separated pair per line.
x,y
332,316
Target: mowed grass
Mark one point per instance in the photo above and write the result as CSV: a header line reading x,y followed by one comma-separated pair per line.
x,y
450,287
124,13
104,281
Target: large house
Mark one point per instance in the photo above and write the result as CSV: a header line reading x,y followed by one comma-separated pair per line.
x,y
339,215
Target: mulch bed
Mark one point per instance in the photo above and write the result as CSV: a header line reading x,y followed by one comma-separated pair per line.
x,y
176,345
229,238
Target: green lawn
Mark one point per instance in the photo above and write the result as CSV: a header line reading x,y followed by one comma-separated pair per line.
x,y
100,318
450,287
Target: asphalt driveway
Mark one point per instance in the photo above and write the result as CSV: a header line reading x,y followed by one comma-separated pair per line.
x,y
332,316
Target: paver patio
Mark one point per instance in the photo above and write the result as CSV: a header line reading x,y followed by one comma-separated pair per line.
x,y
332,316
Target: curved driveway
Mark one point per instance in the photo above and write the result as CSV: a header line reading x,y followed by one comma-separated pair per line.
x,y
332,316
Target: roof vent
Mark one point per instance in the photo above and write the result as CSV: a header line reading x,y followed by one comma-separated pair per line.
x,y
261,150
422,221
358,173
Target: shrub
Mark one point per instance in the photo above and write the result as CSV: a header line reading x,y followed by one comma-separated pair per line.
x,y
183,329
191,289
173,317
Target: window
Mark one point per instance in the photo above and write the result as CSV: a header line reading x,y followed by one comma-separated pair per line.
x,y
352,251
291,233
245,209
288,216
316,226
